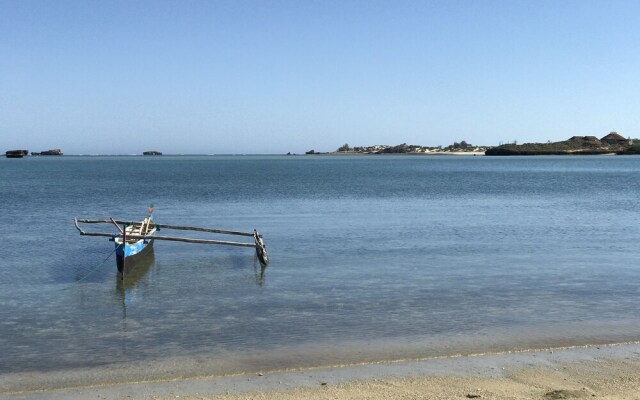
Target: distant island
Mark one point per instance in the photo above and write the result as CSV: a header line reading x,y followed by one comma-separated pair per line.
x,y
456,148
613,143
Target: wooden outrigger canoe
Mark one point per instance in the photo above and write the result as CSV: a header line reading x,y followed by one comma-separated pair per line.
x,y
134,239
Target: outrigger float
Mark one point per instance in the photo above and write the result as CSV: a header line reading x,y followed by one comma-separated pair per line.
x,y
135,239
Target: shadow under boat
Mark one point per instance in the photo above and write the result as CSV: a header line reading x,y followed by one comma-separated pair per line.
x,y
135,281
259,271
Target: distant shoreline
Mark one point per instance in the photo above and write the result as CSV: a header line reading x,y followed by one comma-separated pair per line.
x,y
337,154
611,144
440,153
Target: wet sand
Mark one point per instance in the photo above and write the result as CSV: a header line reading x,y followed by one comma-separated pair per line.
x,y
611,371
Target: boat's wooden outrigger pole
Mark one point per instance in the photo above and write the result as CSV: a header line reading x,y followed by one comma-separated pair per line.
x,y
117,226
183,228
258,244
187,240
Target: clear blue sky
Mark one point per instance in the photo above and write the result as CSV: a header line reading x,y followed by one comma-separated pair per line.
x,y
278,76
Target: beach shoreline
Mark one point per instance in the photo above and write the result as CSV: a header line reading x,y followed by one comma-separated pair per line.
x,y
574,372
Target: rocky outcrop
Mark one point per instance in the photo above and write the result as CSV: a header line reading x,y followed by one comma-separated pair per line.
x,y
576,145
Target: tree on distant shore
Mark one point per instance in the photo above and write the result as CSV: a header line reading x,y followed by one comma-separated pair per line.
x,y
462,145
344,147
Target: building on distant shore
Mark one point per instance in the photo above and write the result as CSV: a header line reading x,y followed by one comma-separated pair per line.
x,y
614,139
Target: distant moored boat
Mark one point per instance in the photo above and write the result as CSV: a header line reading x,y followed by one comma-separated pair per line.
x,y
152,153
54,152
16,153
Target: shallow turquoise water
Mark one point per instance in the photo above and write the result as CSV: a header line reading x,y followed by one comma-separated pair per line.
x,y
371,257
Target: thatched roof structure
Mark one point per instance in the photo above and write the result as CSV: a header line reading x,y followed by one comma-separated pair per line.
x,y
613,138
584,141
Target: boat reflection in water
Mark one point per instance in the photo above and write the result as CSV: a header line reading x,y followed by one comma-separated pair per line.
x,y
138,278
258,270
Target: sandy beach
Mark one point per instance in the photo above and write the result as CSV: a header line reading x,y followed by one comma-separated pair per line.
x,y
610,372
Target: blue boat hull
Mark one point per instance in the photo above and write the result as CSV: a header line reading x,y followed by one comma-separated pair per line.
x,y
127,257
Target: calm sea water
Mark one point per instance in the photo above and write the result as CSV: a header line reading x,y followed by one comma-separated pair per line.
x,y
371,258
